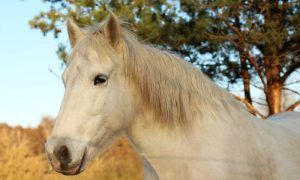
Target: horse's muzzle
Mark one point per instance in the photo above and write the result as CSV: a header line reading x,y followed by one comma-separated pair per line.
x,y
65,156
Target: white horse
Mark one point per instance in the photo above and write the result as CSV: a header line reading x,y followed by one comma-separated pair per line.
x,y
290,120
182,125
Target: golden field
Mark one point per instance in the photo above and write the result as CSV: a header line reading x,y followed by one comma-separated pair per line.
x,y
22,157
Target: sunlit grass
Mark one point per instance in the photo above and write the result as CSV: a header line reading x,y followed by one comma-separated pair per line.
x,y
22,157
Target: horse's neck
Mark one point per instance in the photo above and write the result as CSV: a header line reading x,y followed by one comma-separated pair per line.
x,y
203,141
215,144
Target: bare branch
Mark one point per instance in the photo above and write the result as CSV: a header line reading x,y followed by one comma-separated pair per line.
x,y
287,84
291,90
260,103
250,107
290,70
258,87
51,71
293,106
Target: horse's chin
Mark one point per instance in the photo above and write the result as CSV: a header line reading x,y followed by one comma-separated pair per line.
x,y
98,146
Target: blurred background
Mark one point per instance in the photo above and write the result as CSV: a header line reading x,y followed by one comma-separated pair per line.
x,y
251,48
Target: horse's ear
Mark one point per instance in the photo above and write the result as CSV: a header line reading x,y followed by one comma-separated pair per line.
x,y
74,32
112,30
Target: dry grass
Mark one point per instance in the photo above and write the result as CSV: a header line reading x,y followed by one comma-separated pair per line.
x,y
22,157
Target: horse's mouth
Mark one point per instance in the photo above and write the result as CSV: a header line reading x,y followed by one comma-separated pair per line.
x,y
74,169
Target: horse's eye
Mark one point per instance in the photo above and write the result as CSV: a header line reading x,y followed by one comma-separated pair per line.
x,y
100,79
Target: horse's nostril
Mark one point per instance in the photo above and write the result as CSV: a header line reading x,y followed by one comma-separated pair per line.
x,y
63,155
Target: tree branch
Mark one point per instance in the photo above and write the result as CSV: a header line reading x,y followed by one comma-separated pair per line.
x,y
249,57
220,38
290,70
291,90
292,83
250,107
55,74
260,103
257,69
293,106
256,86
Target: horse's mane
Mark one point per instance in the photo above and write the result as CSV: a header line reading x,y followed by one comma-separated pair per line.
x,y
173,89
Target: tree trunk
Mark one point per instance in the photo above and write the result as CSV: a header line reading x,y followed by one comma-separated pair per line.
x,y
274,85
246,78
274,97
243,58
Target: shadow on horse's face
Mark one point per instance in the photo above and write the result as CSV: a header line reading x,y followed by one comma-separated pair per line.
x,y
96,105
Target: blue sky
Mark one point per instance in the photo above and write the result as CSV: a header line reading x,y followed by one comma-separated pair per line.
x,y
28,90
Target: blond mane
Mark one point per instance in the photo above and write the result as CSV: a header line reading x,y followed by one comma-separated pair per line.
x,y
173,89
